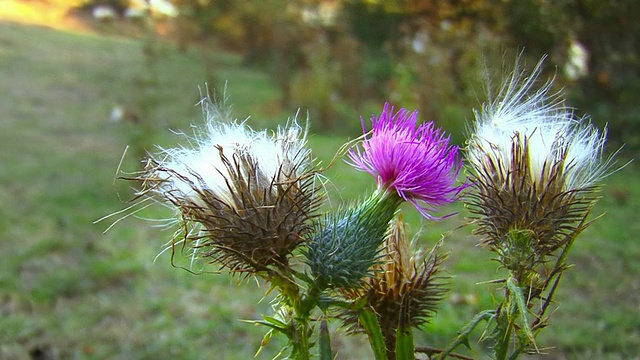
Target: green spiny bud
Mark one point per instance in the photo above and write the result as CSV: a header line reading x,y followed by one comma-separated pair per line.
x,y
346,243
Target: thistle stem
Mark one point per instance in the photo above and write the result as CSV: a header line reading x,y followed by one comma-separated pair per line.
x,y
300,339
303,306
502,341
463,335
404,346
299,331
372,328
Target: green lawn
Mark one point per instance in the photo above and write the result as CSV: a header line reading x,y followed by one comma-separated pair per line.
x,y
69,291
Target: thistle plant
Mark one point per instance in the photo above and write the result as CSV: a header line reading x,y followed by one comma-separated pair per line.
x,y
245,201
251,202
536,168
410,162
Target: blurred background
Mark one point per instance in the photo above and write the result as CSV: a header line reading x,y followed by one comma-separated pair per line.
x,y
82,80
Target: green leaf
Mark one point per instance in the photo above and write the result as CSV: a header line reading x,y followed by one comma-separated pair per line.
x,y
521,305
275,322
272,323
325,341
463,335
265,340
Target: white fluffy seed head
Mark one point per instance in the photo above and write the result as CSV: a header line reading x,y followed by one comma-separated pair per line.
x,y
278,156
550,129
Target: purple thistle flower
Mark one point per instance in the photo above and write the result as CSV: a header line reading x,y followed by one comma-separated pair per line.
x,y
416,162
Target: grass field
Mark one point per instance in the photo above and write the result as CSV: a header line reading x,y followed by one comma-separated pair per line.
x,y
69,291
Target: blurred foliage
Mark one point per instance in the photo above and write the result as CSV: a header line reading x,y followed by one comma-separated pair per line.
x,y
314,85
428,54
610,32
87,5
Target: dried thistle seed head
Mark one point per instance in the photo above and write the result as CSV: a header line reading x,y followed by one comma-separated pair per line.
x,y
513,201
245,197
535,167
404,289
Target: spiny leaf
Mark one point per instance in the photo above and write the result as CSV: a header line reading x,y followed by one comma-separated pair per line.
x,y
521,307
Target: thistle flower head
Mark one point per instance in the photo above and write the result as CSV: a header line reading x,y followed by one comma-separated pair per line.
x,y
534,166
416,162
405,288
244,196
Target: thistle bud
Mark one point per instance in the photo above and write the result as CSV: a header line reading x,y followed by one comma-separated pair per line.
x,y
404,289
345,244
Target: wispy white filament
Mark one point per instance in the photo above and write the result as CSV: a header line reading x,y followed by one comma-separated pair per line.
x,y
549,128
278,156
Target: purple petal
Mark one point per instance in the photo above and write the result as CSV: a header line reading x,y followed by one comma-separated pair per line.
x,y
415,161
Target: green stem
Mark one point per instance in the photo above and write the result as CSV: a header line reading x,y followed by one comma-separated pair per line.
x,y
371,326
463,335
405,348
309,302
503,336
515,309
299,330
300,339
